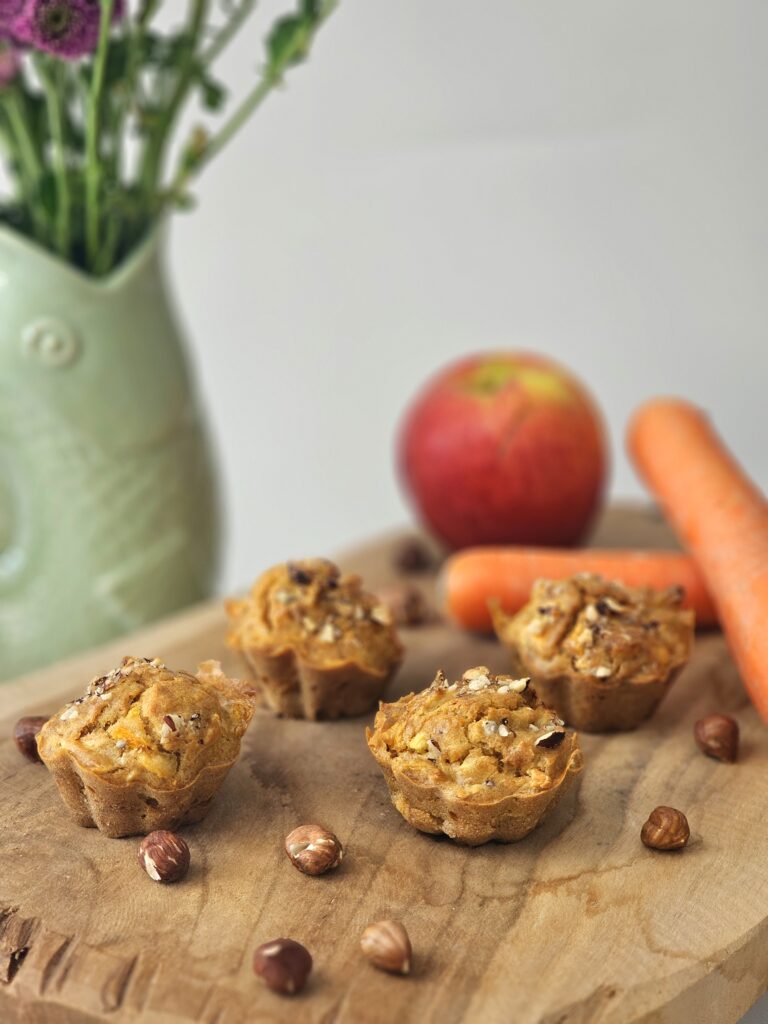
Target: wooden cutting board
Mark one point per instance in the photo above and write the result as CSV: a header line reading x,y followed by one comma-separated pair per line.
x,y
577,924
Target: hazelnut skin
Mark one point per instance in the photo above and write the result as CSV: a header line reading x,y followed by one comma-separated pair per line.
x,y
412,555
283,965
25,735
665,829
407,603
313,849
387,946
164,856
718,737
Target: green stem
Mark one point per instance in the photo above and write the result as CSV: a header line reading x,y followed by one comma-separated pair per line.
x,y
239,117
109,246
272,77
156,148
29,160
137,34
7,142
93,136
147,12
223,38
54,86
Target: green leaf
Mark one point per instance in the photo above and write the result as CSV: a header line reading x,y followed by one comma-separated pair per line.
x,y
163,51
214,94
288,41
184,201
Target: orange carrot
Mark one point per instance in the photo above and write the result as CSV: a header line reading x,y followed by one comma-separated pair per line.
x,y
720,516
471,577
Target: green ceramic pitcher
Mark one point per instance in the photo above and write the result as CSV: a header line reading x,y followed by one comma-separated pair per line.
x,y
108,512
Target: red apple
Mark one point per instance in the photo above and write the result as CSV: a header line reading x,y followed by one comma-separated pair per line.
x,y
504,448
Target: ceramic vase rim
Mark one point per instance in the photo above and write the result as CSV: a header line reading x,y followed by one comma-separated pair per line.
x,y
141,253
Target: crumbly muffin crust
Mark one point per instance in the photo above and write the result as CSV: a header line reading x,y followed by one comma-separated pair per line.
x,y
601,653
318,644
146,747
478,759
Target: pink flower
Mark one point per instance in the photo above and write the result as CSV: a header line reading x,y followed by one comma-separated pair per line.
x,y
9,11
65,28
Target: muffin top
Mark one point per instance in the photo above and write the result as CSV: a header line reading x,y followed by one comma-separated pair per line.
x,y
483,737
310,608
587,627
145,722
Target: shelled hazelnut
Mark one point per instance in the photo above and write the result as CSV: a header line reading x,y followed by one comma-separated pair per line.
x,y
718,737
412,555
387,946
313,849
25,735
408,605
164,856
283,965
665,829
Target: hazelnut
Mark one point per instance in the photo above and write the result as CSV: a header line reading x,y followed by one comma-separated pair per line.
x,y
718,737
387,946
164,856
313,849
407,604
25,735
412,555
284,965
666,829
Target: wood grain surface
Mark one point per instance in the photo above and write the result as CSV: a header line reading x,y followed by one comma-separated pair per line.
x,y
577,924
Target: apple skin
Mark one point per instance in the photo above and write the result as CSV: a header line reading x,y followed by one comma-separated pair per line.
x,y
504,448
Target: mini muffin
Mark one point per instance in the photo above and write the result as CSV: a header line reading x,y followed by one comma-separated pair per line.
x,y
600,653
316,643
478,759
145,747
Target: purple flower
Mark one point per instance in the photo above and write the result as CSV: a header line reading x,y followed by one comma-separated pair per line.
x,y
65,28
9,10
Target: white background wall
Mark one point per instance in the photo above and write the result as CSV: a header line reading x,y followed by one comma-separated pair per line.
x,y
586,179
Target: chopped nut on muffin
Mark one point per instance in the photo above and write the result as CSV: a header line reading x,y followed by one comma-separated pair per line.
x,y
601,653
317,644
146,747
478,759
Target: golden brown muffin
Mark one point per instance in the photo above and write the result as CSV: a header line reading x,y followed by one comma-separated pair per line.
x,y
478,759
317,644
601,653
145,747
